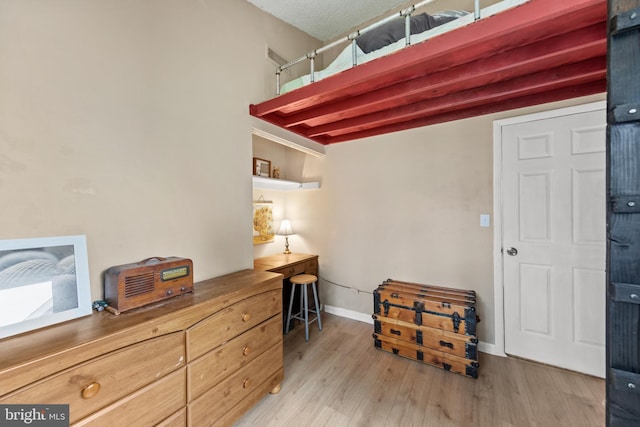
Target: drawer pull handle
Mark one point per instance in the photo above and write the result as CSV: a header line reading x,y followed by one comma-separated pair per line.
x,y
395,332
446,344
246,351
246,383
91,390
246,317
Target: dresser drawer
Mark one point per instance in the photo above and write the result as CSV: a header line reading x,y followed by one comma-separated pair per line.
x,y
102,381
311,267
229,418
231,322
146,407
222,398
213,367
291,270
179,419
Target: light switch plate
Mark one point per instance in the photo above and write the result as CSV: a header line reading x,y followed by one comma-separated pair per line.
x,y
485,220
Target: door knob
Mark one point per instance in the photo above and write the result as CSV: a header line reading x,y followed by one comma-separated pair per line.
x,y
512,251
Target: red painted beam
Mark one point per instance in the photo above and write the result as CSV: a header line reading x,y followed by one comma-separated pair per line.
x,y
576,74
537,99
583,44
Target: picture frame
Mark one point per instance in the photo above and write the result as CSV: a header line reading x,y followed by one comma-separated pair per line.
x,y
43,281
263,231
261,167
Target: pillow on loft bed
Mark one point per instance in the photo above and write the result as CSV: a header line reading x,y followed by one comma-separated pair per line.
x,y
394,30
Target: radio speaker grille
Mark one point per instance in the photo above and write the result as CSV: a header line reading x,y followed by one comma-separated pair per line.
x,y
138,285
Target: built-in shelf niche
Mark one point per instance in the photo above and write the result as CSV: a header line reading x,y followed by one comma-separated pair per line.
x,y
282,184
286,141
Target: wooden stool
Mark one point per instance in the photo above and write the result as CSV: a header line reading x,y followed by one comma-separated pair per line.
x,y
303,315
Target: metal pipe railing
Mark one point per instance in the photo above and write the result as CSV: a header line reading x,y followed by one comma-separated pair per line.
x,y
406,14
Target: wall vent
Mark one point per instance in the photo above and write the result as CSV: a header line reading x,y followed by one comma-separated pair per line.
x,y
275,57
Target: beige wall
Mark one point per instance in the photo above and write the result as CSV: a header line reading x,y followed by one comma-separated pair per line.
x,y
127,121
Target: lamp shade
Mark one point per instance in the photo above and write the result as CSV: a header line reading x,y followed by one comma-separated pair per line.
x,y
285,228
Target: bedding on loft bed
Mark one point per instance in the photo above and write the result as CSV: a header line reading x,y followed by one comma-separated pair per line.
x,y
390,37
383,40
523,54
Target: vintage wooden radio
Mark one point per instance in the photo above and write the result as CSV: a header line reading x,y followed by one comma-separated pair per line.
x,y
153,279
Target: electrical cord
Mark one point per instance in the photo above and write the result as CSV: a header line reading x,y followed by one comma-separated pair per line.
x,y
360,291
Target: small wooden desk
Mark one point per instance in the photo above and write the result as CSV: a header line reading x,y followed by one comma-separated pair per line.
x,y
289,265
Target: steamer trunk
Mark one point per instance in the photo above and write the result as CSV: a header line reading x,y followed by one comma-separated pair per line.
x,y
441,308
431,324
424,336
426,355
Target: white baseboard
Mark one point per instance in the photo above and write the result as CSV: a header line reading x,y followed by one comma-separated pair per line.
x,y
366,318
485,347
349,314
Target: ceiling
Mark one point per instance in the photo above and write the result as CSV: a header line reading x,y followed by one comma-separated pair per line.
x,y
326,19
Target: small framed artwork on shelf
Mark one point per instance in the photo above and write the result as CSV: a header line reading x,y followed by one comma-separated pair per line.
x,y
261,167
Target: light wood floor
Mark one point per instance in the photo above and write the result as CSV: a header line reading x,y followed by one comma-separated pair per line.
x,y
338,379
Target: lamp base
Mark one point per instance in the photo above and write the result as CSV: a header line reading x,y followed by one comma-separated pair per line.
x,y
286,245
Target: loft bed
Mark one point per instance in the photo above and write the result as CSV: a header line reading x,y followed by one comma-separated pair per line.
x,y
382,38
532,52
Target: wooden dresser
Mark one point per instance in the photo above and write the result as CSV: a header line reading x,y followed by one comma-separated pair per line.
x,y
197,360
289,265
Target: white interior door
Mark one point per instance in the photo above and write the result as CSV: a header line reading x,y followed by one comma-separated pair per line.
x,y
554,231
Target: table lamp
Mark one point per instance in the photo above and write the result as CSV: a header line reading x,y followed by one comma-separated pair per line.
x,y
285,230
